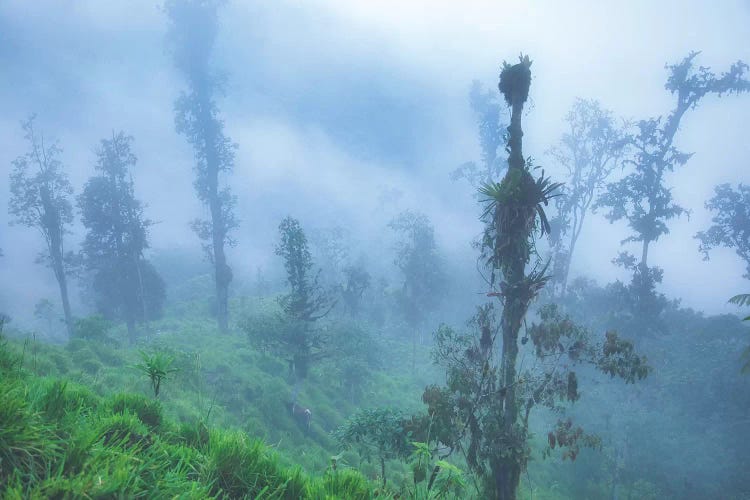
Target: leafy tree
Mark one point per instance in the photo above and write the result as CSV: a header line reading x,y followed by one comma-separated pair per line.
x,y
306,301
357,280
419,262
44,310
40,198
731,224
377,433
193,32
332,252
589,151
95,328
117,236
641,197
487,107
295,336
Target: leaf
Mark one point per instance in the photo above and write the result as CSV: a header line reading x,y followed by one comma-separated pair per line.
x,y
742,299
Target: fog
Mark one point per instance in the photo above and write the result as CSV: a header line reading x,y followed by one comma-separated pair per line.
x,y
331,101
347,115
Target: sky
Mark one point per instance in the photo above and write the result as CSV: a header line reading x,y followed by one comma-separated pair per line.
x,y
333,102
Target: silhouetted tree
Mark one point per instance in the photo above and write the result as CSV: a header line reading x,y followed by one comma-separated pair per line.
x,y
44,310
306,301
487,107
589,151
731,223
117,235
192,33
356,281
40,198
484,408
641,197
420,264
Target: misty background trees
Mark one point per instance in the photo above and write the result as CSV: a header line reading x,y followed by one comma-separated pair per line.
x,y
641,197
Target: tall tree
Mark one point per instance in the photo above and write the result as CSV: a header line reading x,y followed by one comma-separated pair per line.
x,y
484,409
117,236
641,197
511,212
193,32
487,107
731,223
589,151
40,198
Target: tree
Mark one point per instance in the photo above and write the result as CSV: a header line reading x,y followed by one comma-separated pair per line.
x,y
357,280
193,32
641,197
487,107
419,262
45,311
378,432
40,198
305,304
589,151
117,236
731,224
469,414
306,301
484,409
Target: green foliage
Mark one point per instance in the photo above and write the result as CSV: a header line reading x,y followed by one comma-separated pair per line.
x,y
27,444
511,208
244,469
743,299
157,366
377,433
148,411
306,300
58,399
192,33
418,260
117,236
95,328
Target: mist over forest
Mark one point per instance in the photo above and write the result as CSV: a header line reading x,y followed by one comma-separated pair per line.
x,y
334,249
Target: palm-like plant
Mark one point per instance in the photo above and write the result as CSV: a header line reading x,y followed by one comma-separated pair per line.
x,y
743,299
157,366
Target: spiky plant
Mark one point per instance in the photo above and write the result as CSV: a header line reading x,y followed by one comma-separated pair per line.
x,y
157,366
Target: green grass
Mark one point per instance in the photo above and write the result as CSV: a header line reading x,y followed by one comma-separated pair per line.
x,y
81,420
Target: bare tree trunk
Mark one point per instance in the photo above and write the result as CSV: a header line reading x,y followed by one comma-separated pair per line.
x,y
63,284
53,229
